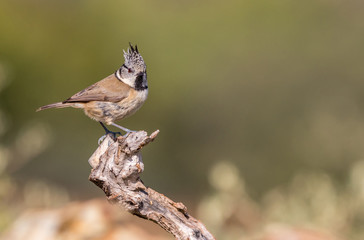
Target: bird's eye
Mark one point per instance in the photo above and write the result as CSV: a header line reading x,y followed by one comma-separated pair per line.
x,y
130,70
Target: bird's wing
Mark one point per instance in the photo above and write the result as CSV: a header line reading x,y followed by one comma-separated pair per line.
x,y
108,89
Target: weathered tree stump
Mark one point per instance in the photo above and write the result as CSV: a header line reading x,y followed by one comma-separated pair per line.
x,y
116,168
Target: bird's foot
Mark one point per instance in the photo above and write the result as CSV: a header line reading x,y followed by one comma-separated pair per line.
x,y
101,139
128,132
112,134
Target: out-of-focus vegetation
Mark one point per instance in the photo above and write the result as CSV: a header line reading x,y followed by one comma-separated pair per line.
x,y
312,204
274,88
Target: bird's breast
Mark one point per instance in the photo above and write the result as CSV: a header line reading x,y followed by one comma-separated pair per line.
x,y
108,112
133,102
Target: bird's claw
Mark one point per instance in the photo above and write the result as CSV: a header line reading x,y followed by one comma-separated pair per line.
x,y
101,139
128,132
112,134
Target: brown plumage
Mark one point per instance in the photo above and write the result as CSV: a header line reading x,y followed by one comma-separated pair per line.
x,y
114,97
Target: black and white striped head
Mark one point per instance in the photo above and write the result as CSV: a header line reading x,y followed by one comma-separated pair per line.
x,y
134,71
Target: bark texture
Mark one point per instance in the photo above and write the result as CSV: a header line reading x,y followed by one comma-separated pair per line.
x,y
116,168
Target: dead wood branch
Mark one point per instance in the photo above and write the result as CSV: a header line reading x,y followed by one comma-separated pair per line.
x,y
116,168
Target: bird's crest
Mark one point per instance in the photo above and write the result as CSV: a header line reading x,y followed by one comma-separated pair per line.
x,y
134,59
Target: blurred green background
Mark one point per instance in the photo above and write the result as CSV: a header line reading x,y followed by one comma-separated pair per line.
x,y
274,89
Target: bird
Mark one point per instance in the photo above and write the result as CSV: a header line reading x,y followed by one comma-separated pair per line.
x,y
115,97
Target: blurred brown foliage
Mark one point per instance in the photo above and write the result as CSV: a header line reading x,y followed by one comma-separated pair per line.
x,y
274,88
94,219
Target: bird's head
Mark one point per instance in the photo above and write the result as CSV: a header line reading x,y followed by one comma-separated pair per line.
x,y
134,71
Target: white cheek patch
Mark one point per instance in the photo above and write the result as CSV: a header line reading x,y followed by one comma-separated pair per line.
x,y
129,81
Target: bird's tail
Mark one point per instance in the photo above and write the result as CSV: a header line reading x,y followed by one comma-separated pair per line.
x,y
53,105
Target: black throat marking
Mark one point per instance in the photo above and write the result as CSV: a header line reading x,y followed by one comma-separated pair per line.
x,y
139,83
